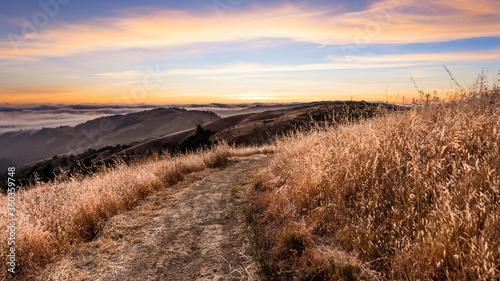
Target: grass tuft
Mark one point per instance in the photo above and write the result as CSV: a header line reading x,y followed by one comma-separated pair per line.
x,y
291,241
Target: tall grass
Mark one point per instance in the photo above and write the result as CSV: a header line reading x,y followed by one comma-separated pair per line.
x,y
409,195
53,217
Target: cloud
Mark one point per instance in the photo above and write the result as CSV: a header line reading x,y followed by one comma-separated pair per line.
x,y
72,108
410,21
387,21
420,58
341,62
129,74
241,67
102,59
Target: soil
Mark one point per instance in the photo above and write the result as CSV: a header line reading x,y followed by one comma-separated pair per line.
x,y
194,230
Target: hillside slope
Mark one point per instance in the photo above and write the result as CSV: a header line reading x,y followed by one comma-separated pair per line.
x,y
411,195
25,147
261,127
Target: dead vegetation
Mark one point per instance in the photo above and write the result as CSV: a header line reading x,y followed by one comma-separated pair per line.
x,y
406,195
53,217
412,195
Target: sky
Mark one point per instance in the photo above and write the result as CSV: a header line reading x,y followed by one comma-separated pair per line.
x,y
231,51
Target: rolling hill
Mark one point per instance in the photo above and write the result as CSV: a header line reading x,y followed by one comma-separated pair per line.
x,y
257,128
86,147
28,146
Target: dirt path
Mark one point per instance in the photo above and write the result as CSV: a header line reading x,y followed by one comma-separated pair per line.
x,y
192,231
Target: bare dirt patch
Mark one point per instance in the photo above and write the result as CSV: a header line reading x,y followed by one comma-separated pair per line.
x,y
192,231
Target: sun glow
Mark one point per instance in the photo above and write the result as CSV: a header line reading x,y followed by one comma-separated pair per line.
x,y
281,51
254,96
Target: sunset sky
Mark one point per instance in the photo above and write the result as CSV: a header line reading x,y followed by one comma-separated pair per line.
x,y
230,51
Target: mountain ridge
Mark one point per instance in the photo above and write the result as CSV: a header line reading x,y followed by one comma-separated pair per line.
x,y
23,147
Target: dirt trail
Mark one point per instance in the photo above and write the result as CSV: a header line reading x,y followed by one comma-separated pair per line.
x,y
192,231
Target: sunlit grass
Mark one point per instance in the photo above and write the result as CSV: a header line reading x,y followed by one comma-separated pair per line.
x,y
409,195
53,217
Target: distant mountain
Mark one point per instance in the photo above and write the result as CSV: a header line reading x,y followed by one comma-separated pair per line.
x,y
29,117
28,146
136,135
258,107
260,127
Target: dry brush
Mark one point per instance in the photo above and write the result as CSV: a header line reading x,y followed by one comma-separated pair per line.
x,y
409,195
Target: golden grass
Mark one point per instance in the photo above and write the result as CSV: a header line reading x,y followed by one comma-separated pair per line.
x,y
53,217
409,195
252,150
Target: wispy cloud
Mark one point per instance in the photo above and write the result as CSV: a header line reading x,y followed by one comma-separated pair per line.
x,y
303,49
129,74
239,68
341,62
388,21
420,58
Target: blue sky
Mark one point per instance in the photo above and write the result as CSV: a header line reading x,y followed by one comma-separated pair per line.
x,y
268,51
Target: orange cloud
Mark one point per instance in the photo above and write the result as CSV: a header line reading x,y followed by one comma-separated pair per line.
x,y
420,58
387,21
339,63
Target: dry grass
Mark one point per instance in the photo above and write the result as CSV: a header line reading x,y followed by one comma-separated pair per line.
x,y
252,150
53,217
411,195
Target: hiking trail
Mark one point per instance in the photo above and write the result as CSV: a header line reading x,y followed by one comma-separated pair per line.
x,y
194,230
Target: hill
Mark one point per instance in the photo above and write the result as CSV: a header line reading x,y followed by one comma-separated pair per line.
x,y
246,129
406,195
24,147
411,195
260,127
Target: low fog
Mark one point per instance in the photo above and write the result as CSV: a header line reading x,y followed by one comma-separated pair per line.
x,y
36,116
